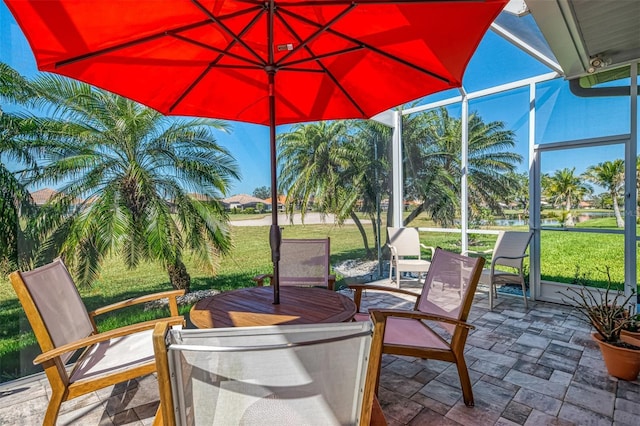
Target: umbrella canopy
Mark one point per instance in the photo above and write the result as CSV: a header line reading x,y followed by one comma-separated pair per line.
x,y
268,62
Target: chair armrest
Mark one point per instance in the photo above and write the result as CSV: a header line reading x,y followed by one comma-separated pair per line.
x,y
511,257
102,337
360,287
422,316
433,249
357,297
171,295
393,250
259,279
493,261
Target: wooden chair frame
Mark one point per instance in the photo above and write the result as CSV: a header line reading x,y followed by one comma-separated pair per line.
x,y
51,359
454,351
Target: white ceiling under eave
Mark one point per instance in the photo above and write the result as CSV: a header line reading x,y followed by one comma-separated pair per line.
x,y
589,36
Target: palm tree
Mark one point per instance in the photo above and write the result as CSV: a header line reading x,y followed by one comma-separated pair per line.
x,y
311,159
610,175
333,165
124,173
368,174
519,194
565,188
434,151
426,176
15,199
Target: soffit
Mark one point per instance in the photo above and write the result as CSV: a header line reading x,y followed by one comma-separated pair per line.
x,y
588,37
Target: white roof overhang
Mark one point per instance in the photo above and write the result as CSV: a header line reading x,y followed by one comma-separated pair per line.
x,y
594,41
586,41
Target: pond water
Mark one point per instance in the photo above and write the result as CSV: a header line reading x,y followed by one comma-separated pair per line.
x,y
551,222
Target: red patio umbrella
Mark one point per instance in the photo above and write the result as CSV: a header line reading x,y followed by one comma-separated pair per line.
x,y
268,62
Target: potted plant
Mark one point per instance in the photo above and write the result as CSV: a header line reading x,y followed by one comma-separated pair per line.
x,y
607,312
631,327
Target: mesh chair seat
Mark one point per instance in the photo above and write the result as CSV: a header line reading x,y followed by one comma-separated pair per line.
x,y
408,332
63,326
310,374
115,355
436,327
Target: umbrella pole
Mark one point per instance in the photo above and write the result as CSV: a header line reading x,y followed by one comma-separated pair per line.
x,y
275,236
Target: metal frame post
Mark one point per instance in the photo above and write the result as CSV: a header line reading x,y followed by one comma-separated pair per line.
x,y
631,196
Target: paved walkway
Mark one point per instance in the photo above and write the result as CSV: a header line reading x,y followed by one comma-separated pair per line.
x,y
310,218
528,367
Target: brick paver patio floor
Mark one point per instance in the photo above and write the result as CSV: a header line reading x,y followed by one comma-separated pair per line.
x,y
535,366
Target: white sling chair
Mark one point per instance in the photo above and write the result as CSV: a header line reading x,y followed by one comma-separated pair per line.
x,y
510,250
405,246
311,374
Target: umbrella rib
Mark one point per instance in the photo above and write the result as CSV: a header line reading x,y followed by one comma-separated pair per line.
x,y
201,76
128,44
283,3
326,71
368,46
235,67
223,52
323,56
304,70
344,91
237,38
315,35
193,84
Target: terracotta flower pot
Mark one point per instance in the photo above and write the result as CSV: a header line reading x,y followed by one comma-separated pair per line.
x,y
622,363
631,335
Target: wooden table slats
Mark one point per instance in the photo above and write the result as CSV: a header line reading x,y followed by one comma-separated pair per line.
x,y
254,306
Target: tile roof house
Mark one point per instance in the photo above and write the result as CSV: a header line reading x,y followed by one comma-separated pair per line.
x,y
42,196
199,197
243,201
281,202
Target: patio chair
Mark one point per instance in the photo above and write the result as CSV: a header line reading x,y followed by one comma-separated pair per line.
x,y
63,327
405,247
509,251
436,327
310,374
303,263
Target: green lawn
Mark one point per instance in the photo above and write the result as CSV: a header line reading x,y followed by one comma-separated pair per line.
x,y
561,252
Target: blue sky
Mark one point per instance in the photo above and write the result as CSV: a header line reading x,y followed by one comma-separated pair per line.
x,y
560,116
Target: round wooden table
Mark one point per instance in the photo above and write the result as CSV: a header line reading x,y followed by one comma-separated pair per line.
x,y
254,306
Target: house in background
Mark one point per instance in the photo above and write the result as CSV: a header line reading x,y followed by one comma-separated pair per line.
x,y
244,201
42,196
199,197
281,202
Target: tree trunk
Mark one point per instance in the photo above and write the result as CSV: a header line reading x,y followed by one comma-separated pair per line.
x,y
178,275
363,233
616,210
415,213
568,220
374,227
